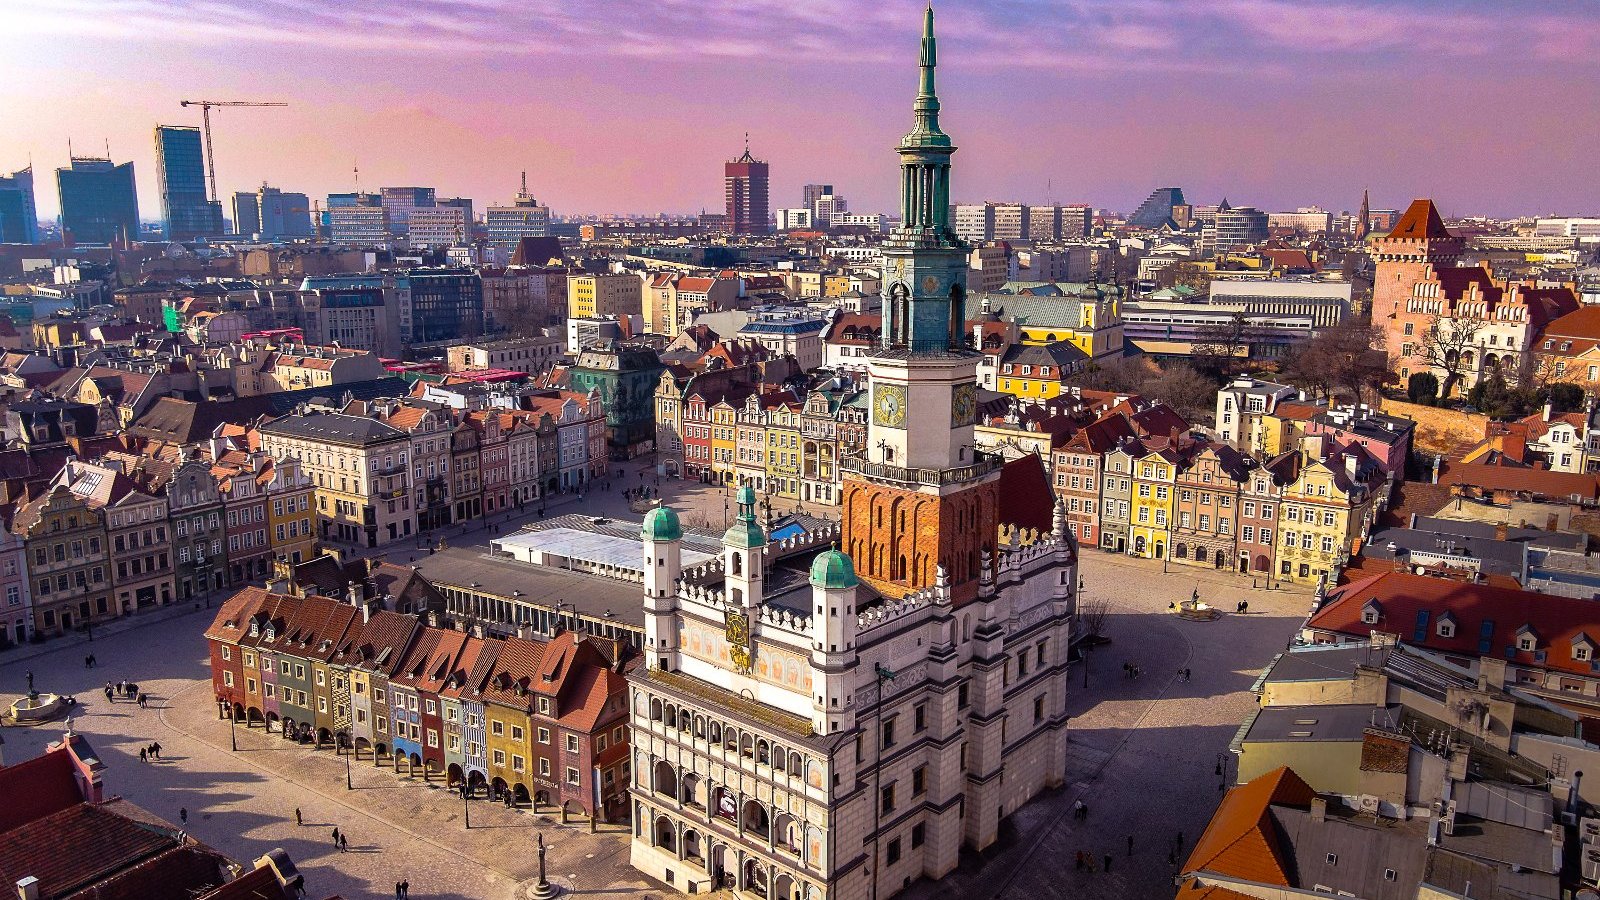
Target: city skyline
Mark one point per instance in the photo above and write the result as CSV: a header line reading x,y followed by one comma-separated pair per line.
x,y
1260,101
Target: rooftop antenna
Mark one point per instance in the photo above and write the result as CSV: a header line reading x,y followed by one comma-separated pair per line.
x,y
108,148
524,182
355,164
69,150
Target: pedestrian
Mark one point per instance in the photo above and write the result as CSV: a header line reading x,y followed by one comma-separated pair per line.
x,y
144,753
344,843
405,889
1108,862
1186,675
108,693
336,836
1180,840
94,661
1172,857
297,819
142,702
1130,845
86,662
122,688
397,894
1088,861
183,815
1079,811
156,748
1077,861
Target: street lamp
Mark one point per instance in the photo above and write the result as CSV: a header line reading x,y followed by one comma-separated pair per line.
x,y
349,784
1085,654
466,808
233,734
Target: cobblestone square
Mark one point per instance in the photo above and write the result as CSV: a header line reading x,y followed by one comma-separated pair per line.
x,y
1144,751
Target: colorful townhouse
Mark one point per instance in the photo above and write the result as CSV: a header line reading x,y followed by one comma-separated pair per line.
x,y
1155,474
1331,504
1209,486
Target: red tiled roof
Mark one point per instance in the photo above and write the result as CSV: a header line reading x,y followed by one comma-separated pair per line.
x,y
1580,324
1026,498
37,788
1538,482
1420,220
1487,618
1241,840
76,847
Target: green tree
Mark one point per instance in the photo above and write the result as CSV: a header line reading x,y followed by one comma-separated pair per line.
x,y
1423,388
1566,397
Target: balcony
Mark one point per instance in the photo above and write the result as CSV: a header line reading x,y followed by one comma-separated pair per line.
x,y
986,464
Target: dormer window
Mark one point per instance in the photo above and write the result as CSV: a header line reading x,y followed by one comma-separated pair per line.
x,y
1527,639
1582,648
1372,612
1446,627
255,629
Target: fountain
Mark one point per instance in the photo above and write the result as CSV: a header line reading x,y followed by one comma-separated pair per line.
x,y
36,707
1196,610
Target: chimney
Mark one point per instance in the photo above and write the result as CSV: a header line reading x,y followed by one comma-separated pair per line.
x,y
1319,809
1547,408
352,594
1350,466
1501,532
28,888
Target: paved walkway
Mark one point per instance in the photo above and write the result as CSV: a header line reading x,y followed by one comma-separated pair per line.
x,y
1143,752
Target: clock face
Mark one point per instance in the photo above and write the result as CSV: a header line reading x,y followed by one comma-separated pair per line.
x,y
964,405
889,405
930,283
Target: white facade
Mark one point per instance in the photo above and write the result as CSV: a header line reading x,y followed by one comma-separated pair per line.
x,y
774,752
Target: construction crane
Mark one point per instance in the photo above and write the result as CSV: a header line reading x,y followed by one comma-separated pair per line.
x,y
205,117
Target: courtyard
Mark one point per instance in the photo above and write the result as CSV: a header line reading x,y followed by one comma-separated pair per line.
x,y
1144,752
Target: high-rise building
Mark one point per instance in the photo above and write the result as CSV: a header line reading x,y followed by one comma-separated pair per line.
x,y
284,214
1156,208
828,206
359,226
1077,221
1010,222
839,722
974,222
745,187
1233,227
19,217
400,201
440,305
508,225
1044,223
98,202
447,224
246,213
812,193
181,176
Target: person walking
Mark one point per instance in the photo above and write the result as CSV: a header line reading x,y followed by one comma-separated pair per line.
x,y
405,889
156,749
183,815
344,843
108,692
144,754
397,893
1108,862
298,821
336,836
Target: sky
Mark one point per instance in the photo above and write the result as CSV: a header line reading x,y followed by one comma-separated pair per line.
x,y
1487,106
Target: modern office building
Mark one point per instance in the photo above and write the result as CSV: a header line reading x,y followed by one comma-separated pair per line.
x,y
812,193
448,224
440,305
745,190
186,208
508,225
19,216
98,202
271,214
1156,208
400,201
974,222
246,213
359,226
1233,228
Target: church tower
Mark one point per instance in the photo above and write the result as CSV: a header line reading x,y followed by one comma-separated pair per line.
x,y
922,497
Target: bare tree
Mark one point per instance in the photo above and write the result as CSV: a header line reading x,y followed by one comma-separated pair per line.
x,y
1444,344
1187,274
1092,617
1342,358
1217,346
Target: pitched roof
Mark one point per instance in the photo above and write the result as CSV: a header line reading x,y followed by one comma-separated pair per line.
x,y
1026,498
1420,220
77,847
1488,618
1241,840
1521,480
36,788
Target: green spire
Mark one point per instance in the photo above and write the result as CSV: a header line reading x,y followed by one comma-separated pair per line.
x,y
927,105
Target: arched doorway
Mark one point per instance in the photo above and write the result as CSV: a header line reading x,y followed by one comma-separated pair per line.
x,y
1221,560
785,888
452,775
519,794
755,818
755,878
666,779
692,847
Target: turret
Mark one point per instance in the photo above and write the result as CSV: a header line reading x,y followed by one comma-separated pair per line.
x,y
663,563
833,653
742,554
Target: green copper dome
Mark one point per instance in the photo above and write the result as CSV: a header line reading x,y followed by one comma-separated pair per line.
x,y
661,524
833,570
746,496
745,533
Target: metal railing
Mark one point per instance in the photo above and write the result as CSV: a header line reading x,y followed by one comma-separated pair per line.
x,y
985,464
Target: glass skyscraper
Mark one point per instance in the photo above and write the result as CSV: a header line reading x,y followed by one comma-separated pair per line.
x,y
98,201
19,218
181,171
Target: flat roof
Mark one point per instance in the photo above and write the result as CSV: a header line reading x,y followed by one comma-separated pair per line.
x,y
597,547
589,595
1313,663
1340,722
